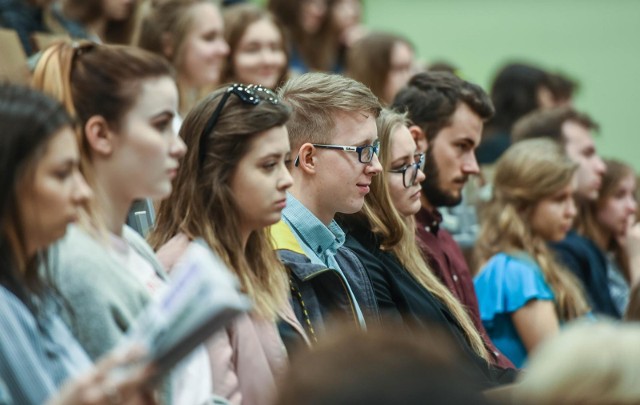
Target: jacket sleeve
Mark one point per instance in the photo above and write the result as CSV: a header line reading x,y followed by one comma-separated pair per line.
x,y
223,367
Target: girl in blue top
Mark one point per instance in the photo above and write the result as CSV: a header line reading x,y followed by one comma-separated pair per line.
x,y
523,292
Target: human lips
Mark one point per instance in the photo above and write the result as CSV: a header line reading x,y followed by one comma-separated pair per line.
x,y
281,204
364,187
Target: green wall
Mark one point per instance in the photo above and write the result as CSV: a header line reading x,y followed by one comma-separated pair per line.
x,y
593,41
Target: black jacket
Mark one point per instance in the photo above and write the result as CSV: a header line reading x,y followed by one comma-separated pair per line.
x,y
401,297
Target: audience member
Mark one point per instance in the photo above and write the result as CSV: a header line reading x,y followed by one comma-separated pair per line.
x,y
524,293
43,192
333,135
124,100
384,62
233,185
256,40
380,367
26,17
382,236
447,115
517,89
588,363
108,21
189,34
577,252
610,222
311,41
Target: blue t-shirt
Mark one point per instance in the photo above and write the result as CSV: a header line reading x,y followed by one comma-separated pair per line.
x,y
505,284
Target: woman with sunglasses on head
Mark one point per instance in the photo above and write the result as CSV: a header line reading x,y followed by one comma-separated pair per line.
x,y
43,191
124,100
231,188
523,292
381,236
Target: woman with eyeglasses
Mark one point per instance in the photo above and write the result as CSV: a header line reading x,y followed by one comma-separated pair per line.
x,y
381,236
42,192
124,100
231,188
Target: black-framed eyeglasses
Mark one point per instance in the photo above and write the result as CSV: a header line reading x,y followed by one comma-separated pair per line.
x,y
365,152
250,94
410,172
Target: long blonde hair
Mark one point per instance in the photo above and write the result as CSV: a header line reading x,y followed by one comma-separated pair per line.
x,y
527,173
202,204
397,236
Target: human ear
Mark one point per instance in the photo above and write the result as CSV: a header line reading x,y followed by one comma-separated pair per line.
x,y
98,135
419,137
305,159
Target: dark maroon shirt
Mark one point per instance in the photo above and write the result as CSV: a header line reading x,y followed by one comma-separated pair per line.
x,y
448,263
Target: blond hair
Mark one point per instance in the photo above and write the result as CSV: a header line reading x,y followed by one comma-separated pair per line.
x,y
587,363
527,173
316,98
397,236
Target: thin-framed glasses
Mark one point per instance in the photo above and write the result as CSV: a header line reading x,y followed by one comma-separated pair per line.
x,y
249,94
365,152
410,171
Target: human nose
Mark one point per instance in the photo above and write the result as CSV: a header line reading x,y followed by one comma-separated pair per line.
x,y
632,205
81,190
571,210
177,148
600,166
421,176
223,47
374,167
470,165
286,180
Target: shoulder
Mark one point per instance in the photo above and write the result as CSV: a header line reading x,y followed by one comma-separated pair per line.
x,y
170,252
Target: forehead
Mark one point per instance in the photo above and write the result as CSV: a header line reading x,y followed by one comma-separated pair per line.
x,y
354,128
402,142
205,17
576,135
156,95
261,29
464,124
60,148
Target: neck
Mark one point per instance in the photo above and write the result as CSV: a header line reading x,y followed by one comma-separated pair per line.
x,y
98,28
112,203
311,202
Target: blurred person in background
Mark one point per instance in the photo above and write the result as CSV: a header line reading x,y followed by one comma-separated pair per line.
x,y
610,222
580,254
587,364
257,49
384,62
523,292
190,35
44,192
517,89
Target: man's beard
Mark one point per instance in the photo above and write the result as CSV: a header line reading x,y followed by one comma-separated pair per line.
x,y
436,196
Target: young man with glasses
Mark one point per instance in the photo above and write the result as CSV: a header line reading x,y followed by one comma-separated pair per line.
x,y
447,115
333,136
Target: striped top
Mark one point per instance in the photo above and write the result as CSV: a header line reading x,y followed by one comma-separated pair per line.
x,y
36,354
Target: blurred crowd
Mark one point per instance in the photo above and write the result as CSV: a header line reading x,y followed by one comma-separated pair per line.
x,y
405,236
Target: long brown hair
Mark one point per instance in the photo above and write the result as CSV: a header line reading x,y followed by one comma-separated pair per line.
x,y
28,121
527,173
171,21
397,236
88,11
369,60
91,79
236,21
202,205
589,225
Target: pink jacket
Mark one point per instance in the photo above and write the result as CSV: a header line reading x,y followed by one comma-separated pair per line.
x,y
248,357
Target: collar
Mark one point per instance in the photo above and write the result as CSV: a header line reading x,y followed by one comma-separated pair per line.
x,y
321,239
430,220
